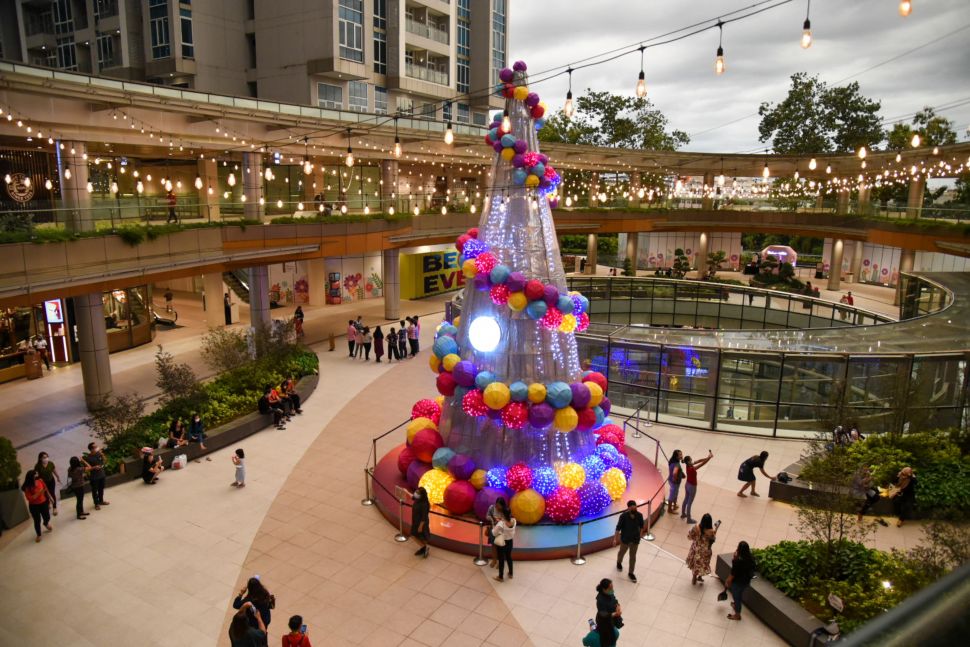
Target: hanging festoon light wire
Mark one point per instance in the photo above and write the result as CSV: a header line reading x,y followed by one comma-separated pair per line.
x,y
349,159
719,66
568,109
807,28
812,164
905,7
307,165
765,173
915,141
397,140
641,82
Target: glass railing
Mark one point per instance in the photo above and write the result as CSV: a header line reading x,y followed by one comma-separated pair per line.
x,y
426,74
427,31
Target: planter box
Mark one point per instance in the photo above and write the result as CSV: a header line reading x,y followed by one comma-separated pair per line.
x,y
799,490
13,508
783,615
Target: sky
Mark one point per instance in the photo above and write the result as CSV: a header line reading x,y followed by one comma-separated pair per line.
x,y
761,53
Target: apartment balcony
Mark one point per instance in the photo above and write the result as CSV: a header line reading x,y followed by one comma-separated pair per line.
x,y
38,23
427,30
421,80
423,73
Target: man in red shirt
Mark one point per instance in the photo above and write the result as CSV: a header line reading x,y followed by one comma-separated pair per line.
x,y
690,489
172,201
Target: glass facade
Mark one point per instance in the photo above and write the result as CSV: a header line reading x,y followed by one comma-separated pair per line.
x,y
158,24
464,46
188,45
380,37
351,30
498,38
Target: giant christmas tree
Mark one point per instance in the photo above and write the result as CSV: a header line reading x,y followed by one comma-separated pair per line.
x,y
516,416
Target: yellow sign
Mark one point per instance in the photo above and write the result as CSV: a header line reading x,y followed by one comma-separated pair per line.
x,y
423,275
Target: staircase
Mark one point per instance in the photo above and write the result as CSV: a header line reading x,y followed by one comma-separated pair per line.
x,y
238,282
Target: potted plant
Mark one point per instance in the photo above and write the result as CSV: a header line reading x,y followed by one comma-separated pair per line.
x,y
13,507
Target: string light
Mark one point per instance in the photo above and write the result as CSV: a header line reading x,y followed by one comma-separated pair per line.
x,y
397,141
915,141
449,135
719,66
812,164
568,108
349,159
506,122
198,182
231,180
67,174
807,28
48,184
862,152
905,7
641,82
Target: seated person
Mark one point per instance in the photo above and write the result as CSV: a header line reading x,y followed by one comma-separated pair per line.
x,y
276,399
151,466
176,435
288,389
197,430
266,407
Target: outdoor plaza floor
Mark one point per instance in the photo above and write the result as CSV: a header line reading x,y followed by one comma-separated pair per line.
x,y
161,565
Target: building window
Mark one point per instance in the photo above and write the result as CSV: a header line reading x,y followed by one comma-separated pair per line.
x,y
66,53
498,38
380,100
106,51
158,23
62,16
358,96
446,111
105,9
428,111
464,46
351,29
479,118
330,96
188,47
405,106
380,14
464,116
380,52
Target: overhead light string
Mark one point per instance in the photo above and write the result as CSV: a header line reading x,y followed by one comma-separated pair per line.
x,y
568,108
719,60
641,82
807,28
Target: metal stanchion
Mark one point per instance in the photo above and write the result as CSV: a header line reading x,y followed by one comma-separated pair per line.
x,y
649,536
648,423
400,536
368,497
579,560
480,560
636,426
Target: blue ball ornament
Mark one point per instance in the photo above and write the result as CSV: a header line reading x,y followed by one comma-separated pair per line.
x,y
444,346
544,480
508,141
495,478
499,274
493,133
600,417
608,454
540,123
518,177
519,391
536,309
558,394
484,378
447,330
441,457
539,169
593,465
594,498
565,304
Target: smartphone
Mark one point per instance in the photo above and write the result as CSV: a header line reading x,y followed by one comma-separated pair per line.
x,y
718,523
303,629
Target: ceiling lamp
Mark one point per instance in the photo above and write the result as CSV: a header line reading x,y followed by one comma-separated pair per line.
x,y
67,174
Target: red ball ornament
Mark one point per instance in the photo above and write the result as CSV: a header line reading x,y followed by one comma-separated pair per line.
x,y
460,243
515,415
551,319
508,90
426,409
473,232
488,140
538,111
473,405
499,294
425,443
582,322
587,419
460,497
485,262
595,376
404,460
519,477
446,384
534,290
563,505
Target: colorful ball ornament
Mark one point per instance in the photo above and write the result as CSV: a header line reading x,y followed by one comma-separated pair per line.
x,y
582,322
434,482
527,507
506,75
518,175
580,395
473,248
499,294
416,425
496,395
519,391
448,362
459,497
473,405
461,466
464,373
593,465
564,505
519,477
495,478
416,470
499,274
520,93
537,392
485,499
568,324
534,289
434,362
444,346
615,482
469,268
595,499
478,479
507,154
558,394
517,301
541,415
565,304
426,442
404,460
565,420
515,415
536,309
426,409
595,393
624,465
484,378
446,384
596,376
571,475
606,405
441,457
608,454
544,480
552,319
516,282
532,181
587,419
486,262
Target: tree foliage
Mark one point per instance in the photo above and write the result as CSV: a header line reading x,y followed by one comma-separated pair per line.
x,y
224,349
714,261
681,264
616,121
816,118
113,418
933,130
176,381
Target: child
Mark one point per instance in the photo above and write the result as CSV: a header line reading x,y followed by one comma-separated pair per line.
x,y
402,342
239,460
296,637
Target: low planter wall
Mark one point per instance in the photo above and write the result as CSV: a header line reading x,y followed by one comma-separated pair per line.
x,y
783,615
798,490
216,439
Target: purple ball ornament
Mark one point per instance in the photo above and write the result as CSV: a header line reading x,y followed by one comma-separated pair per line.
x,y
541,415
520,66
497,146
494,414
485,499
625,466
461,466
482,281
516,282
554,203
415,471
605,406
543,158
518,161
608,454
581,395
532,99
520,146
595,499
464,373
550,294
506,75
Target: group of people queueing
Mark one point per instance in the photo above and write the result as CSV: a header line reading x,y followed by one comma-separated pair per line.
x,y
399,343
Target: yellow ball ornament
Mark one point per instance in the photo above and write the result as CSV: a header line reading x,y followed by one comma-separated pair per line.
x,y
537,393
449,361
528,506
496,395
530,180
468,268
518,301
566,419
457,322
477,479
508,154
520,93
595,393
568,323
434,362
614,481
417,425
440,399
434,482
571,475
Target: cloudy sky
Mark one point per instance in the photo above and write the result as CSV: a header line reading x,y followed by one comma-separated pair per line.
x,y
761,53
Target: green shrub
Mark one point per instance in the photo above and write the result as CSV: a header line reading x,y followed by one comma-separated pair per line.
x,y
9,465
133,236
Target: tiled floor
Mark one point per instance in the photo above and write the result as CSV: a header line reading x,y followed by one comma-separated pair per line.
x,y
161,564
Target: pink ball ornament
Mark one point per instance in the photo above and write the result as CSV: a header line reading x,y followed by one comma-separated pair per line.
x,y
515,415
486,262
534,290
426,442
473,405
563,505
404,460
459,497
416,470
582,319
446,384
499,294
473,232
426,409
552,319
519,477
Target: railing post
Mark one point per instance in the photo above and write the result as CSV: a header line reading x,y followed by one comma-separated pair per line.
x,y
636,427
368,497
400,536
579,560
480,560
649,535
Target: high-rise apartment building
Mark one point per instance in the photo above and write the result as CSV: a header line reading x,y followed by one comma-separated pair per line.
x,y
379,56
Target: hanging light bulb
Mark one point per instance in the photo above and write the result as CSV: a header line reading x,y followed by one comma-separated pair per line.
x,y
67,174
343,209
807,28
899,157
210,190
168,185
231,180
812,164
89,187
198,182
366,210
915,141
243,197
307,167
397,146
641,82
390,211
905,7
568,109
416,210
48,184
114,187
506,122
268,173
279,204
765,173
936,150
449,135
140,188
828,168
719,66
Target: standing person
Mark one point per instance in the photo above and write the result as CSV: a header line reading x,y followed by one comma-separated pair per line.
x,y
239,460
746,473
750,298
504,531
843,313
417,335
905,495
256,594
742,570
227,308
491,518
298,321
603,633
702,538
675,474
359,341
629,529
378,344
47,472
95,460
351,336
392,346
690,488
75,472
850,299
38,500
420,520
298,636
40,345
413,336
368,340
402,342
172,201
242,633
863,485
606,601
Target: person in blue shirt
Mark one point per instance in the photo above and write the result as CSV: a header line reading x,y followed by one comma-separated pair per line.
x,y
603,633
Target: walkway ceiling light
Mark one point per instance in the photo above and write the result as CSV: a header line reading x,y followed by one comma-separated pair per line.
x,y
905,7
812,164
568,109
231,180
807,28
641,83
719,66
198,182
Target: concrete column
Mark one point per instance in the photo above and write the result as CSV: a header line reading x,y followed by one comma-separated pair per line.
x,y
74,192
593,190
707,202
215,313
906,259
209,202
591,257
835,264
92,339
634,190
700,257
856,264
392,284
317,278
914,201
389,174
631,250
819,200
259,296
252,178
842,202
865,194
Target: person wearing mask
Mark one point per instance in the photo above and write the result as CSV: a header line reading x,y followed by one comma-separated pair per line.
x,y
378,344
690,487
629,530
298,321
746,473
742,571
504,532
247,628
255,593
47,472
402,342
197,431
38,501
151,466
76,472
392,346
95,461
298,636
266,408
421,520
602,633
288,388
675,474
607,603
905,496
368,340
351,336
702,538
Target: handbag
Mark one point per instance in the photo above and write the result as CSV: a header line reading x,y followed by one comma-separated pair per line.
x,y
499,540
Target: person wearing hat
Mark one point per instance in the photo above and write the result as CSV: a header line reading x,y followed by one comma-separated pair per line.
x,y
151,465
629,529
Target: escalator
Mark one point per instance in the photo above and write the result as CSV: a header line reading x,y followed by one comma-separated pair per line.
x,y
238,282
